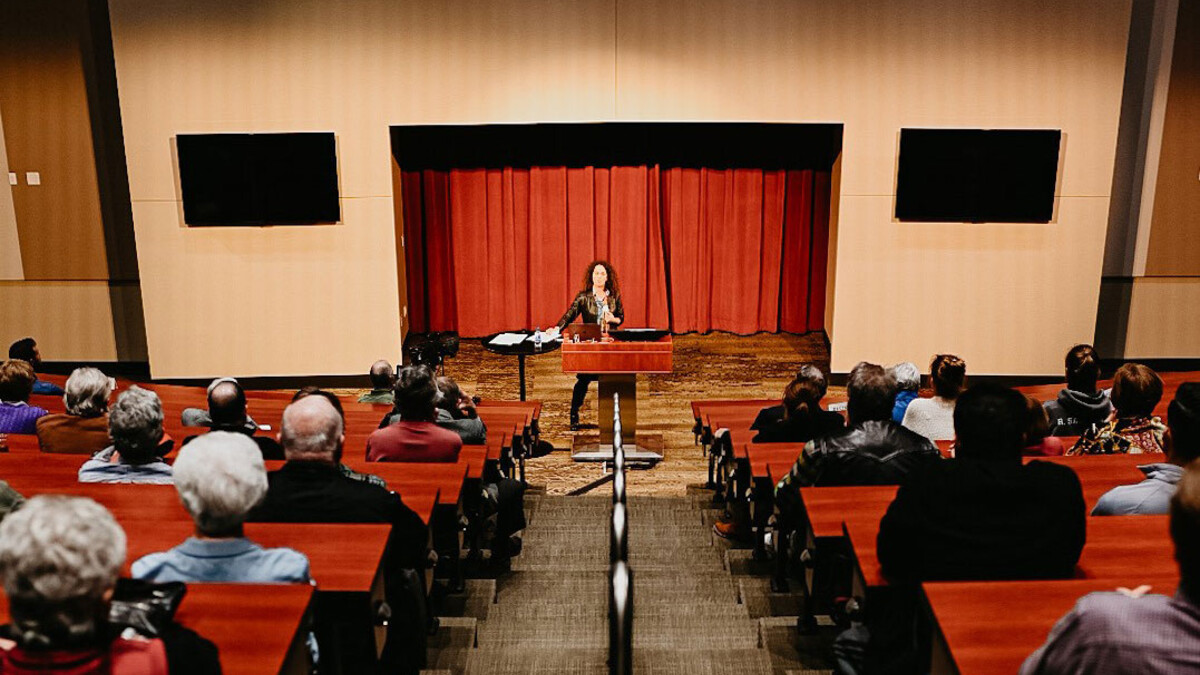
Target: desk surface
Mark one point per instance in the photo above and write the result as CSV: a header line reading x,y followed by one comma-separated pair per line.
x,y
253,640
990,628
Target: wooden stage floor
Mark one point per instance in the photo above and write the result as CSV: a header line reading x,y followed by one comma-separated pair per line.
x,y
718,365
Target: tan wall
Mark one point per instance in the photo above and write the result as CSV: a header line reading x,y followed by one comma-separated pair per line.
x,y
1157,327
10,245
1174,244
72,320
903,291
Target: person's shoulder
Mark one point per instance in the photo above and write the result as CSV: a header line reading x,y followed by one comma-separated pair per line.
x,y
1110,613
286,564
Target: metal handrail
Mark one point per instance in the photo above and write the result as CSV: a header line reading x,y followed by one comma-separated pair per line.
x,y
620,597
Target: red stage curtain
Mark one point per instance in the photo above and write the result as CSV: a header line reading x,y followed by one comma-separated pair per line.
x,y
741,250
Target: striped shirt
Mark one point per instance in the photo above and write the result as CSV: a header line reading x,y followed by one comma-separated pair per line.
x,y
19,417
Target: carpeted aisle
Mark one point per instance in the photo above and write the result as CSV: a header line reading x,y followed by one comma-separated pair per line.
x,y
550,614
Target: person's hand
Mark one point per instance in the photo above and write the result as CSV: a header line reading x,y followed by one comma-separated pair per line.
x,y
609,318
466,407
550,334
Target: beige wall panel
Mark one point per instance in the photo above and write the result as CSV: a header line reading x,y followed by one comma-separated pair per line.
x,y
352,68
72,321
10,245
1163,323
1174,242
268,301
48,130
878,66
1005,297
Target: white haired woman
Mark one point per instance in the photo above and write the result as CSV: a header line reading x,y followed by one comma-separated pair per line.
x,y
220,476
59,561
135,456
908,386
83,429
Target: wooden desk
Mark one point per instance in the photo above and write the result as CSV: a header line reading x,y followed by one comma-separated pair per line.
x,y
264,633
990,628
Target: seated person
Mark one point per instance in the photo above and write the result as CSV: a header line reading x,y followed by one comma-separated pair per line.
x,y
1182,444
337,405
199,417
382,378
1134,632
908,384
1080,404
456,412
10,499
16,385
871,450
309,488
1038,441
415,438
59,590
220,476
982,515
27,350
227,412
135,456
1132,427
933,418
83,429
800,418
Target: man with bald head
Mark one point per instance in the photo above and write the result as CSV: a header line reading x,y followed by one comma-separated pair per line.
x,y
227,412
310,488
382,379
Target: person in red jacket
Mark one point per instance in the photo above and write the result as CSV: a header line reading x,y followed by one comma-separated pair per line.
x,y
416,437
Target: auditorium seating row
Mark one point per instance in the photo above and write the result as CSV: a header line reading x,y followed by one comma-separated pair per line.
x,y
976,627
261,628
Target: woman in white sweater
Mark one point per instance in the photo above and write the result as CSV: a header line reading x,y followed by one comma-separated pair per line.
x,y
934,417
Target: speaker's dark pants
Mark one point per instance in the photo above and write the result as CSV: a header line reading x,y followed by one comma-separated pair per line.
x,y
582,380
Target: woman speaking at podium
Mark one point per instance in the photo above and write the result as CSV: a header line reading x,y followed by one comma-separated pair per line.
x,y
598,303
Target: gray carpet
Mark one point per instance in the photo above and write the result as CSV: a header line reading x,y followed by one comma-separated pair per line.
x,y
550,614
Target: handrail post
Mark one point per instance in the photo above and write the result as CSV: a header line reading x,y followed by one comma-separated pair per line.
x,y
620,620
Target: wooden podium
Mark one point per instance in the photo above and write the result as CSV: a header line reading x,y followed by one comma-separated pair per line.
x,y
618,364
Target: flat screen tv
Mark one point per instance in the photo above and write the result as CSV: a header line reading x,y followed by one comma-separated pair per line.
x,y
259,179
977,175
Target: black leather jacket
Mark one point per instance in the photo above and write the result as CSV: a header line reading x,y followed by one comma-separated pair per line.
x,y
585,306
878,452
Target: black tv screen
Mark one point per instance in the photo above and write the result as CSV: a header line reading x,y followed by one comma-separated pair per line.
x,y
977,175
259,179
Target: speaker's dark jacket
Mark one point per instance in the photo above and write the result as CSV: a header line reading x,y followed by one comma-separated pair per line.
x,y
584,305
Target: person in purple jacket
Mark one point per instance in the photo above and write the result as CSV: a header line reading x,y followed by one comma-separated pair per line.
x,y
16,385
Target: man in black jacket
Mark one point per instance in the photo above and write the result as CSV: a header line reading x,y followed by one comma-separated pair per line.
x,y
983,515
310,488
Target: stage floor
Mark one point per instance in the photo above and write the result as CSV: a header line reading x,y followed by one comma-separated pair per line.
x,y
719,365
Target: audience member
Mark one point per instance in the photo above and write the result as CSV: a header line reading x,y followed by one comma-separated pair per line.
x,y
59,560
982,515
309,488
1119,633
10,500
1132,427
1080,404
382,378
337,405
227,412
1182,444
415,437
27,350
135,456
199,417
16,384
83,429
220,476
1038,441
872,450
801,418
933,418
908,385
456,412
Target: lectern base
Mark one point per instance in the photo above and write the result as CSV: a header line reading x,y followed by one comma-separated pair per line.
x,y
648,449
